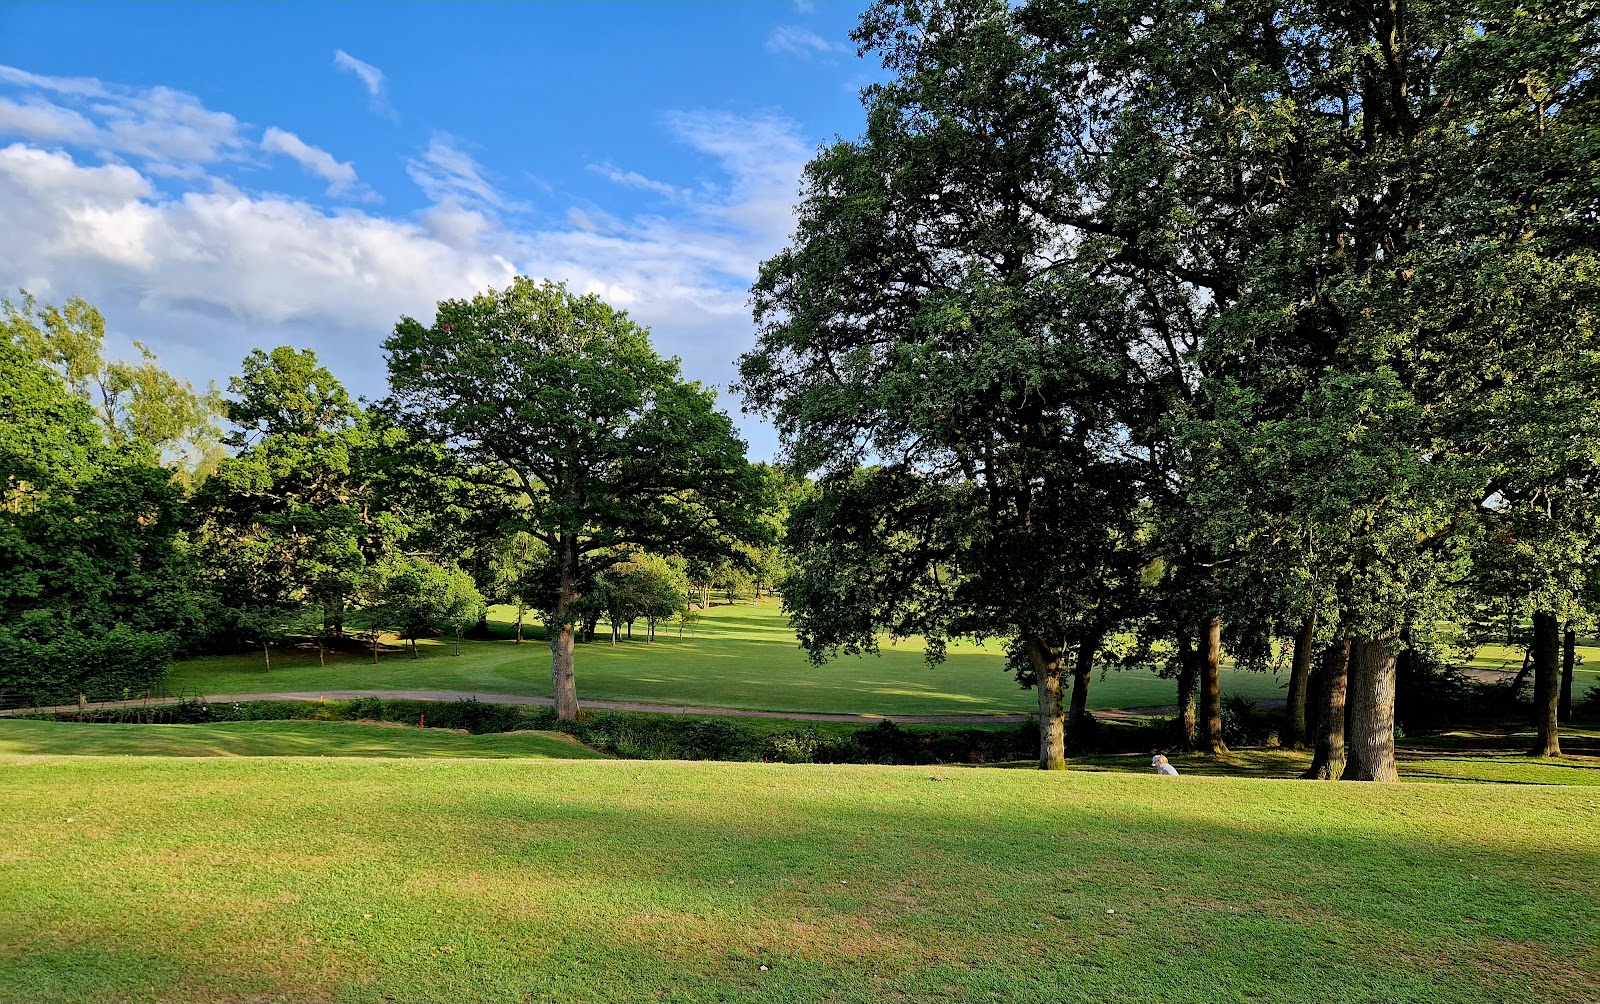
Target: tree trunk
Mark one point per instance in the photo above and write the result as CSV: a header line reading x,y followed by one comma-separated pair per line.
x,y
414,654
266,654
1295,735
322,654
1211,687
1327,763
1369,742
520,610
1082,672
374,647
1188,681
562,679
1569,654
1052,724
458,641
1522,674
1546,683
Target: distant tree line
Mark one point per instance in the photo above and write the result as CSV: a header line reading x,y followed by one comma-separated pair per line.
x,y
556,464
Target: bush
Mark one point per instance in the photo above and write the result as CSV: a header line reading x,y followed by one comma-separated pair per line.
x,y
799,746
1244,725
365,709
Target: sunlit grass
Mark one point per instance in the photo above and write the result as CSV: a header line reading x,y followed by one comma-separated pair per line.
x,y
306,879
272,739
738,656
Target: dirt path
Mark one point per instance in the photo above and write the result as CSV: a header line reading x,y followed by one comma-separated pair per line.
x,y
662,709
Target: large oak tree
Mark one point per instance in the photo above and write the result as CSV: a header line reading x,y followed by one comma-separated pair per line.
x,y
560,404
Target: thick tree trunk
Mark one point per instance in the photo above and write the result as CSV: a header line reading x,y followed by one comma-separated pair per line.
x,y
1052,720
1327,763
1211,687
1188,682
563,681
1295,735
1369,742
1569,658
1546,683
1082,672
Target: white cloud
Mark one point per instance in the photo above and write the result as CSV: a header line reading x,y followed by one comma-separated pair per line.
x,y
633,179
371,78
805,6
449,175
793,40
203,269
171,131
340,175
45,121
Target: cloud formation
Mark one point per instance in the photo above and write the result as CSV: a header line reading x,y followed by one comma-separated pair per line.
x,y
372,79
340,176
170,131
793,40
203,268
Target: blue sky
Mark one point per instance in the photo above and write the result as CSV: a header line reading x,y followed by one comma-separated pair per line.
x,y
218,177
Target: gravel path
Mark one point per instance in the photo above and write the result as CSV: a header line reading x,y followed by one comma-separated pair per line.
x,y
664,709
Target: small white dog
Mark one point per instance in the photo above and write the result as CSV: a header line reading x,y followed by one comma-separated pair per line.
x,y
1161,766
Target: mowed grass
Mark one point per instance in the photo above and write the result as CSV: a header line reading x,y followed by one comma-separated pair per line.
x,y
739,656
271,739
307,879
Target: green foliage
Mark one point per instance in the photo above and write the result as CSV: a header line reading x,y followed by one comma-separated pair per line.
x,y
136,402
95,594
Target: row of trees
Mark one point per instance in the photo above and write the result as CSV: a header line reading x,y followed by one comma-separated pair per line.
x,y
1247,325
534,451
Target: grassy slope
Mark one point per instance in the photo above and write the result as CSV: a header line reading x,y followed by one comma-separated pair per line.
x,y
740,657
306,879
259,739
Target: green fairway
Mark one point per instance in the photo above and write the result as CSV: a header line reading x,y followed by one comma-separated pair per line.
x,y
292,738
305,879
739,657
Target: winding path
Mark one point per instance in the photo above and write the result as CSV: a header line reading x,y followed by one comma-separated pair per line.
x,y
662,709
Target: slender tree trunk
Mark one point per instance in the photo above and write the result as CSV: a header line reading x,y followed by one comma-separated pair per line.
x,y
1522,674
1569,658
563,681
1188,682
1211,687
1052,720
266,654
322,654
1077,716
414,654
1546,683
1327,763
1369,742
1295,736
520,610
458,641
374,647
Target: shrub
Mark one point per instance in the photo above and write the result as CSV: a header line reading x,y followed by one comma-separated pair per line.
x,y
799,746
368,709
1244,725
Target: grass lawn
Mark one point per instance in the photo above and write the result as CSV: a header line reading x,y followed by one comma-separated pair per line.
x,y
370,880
739,657
291,738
